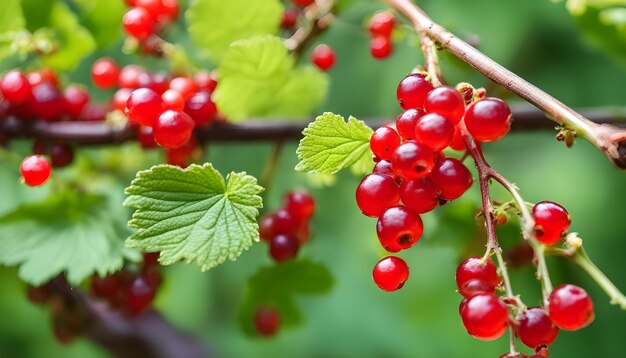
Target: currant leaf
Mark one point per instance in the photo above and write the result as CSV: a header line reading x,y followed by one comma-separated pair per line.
x,y
193,215
71,233
258,79
99,17
330,144
215,24
276,286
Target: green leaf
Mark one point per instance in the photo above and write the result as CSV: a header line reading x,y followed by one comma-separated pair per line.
x,y
11,21
79,234
330,144
102,19
193,215
258,79
275,286
215,24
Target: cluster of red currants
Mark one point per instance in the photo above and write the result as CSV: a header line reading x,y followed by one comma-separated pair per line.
x,y
381,27
145,18
287,228
165,110
130,292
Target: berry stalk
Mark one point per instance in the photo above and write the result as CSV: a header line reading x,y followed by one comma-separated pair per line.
x,y
609,139
582,259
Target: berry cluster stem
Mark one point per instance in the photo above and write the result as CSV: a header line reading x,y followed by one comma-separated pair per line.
x,y
317,17
609,139
582,259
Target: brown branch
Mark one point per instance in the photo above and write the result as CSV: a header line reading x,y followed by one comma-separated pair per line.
x,y
98,133
148,335
611,140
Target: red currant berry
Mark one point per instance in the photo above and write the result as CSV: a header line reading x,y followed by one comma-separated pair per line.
x,y
412,91
15,87
472,288
120,98
61,155
205,81
488,120
104,287
381,24
289,19
300,203
303,3
169,10
535,328
376,193
384,167
266,321
144,106
384,142
138,296
130,76
159,82
451,177
35,170
47,102
40,146
267,227
75,98
138,23
152,6
381,47
405,124
390,273
570,307
447,102
183,85
286,222
173,129
201,108
457,141
145,136
412,160
551,222
284,247
462,306
435,131
183,156
323,57
419,195
485,317
474,268
173,100
399,228
105,73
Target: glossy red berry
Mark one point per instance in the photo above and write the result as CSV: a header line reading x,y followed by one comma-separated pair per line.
x,y
201,108
300,203
159,82
485,317
138,23
152,6
145,136
267,227
384,142
169,10
104,287
323,57
447,102
384,167
173,129
266,321
144,106
120,97
131,76
412,160
35,170
376,193
47,102
474,269
488,120
284,247
412,91
457,142
399,228
15,87
184,155
551,222
405,123
570,307
381,47
451,177
303,3
419,195
173,100
105,73
381,24
289,19
535,328
205,81
61,155
138,296
183,85
390,273
75,98
435,131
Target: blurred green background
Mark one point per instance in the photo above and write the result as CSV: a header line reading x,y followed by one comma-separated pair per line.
x,y
537,39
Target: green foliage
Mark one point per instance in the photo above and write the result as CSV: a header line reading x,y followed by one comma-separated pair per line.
x,y
193,215
102,19
330,144
215,24
275,286
70,232
258,79
11,21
